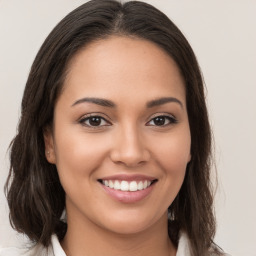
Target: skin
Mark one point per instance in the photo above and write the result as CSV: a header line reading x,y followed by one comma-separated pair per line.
x,y
130,73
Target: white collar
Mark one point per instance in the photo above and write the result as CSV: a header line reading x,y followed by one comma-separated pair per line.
x,y
57,249
184,245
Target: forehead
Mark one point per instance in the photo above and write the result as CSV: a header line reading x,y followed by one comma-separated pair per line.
x,y
123,64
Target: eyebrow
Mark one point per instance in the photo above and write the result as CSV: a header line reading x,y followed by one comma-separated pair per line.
x,y
164,100
98,101
111,104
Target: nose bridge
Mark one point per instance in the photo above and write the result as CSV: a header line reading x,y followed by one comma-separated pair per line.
x,y
129,146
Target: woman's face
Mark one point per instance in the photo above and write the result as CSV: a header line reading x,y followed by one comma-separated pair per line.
x,y
121,137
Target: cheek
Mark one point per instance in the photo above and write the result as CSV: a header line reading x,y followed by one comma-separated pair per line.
x,y
172,155
77,156
173,151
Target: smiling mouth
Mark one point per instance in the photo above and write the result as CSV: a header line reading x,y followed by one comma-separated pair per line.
x,y
130,186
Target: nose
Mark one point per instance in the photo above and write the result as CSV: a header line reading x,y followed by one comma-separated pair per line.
x,y
129,148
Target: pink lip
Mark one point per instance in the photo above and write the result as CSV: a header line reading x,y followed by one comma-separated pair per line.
x,y
136,177
127,196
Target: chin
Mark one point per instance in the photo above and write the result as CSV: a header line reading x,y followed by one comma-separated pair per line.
x,y
127,228
132,223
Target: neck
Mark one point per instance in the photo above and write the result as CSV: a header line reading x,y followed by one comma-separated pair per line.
x,y
91,240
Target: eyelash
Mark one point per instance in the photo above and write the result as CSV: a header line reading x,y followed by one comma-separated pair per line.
x,y
90,118
170,119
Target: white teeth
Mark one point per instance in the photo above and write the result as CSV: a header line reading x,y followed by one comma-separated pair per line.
x,y
110,184
140,185
133,186
116,185
127,186
124,185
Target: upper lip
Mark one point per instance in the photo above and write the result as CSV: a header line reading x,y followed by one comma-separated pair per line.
x,y
129,177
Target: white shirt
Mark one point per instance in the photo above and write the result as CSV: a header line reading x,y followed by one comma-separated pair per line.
x,y
55,249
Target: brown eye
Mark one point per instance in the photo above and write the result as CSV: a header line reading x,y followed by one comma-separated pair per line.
x,y
159,120
162,121
94,121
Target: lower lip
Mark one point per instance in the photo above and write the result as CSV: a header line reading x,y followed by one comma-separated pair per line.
x,y
128,197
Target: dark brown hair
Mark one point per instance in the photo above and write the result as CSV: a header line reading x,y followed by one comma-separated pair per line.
x,y
35,195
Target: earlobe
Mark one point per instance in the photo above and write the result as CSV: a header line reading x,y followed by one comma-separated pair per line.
x,y
49,146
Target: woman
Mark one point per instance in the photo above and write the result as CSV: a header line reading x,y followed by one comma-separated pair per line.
x,y
113,151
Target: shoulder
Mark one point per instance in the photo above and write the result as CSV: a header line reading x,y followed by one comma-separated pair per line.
x,y
54,249
37,250
12,251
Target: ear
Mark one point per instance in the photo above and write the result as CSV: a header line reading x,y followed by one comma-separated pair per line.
x,y
49,145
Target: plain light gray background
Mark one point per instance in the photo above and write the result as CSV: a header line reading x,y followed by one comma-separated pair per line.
x,y
223,36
